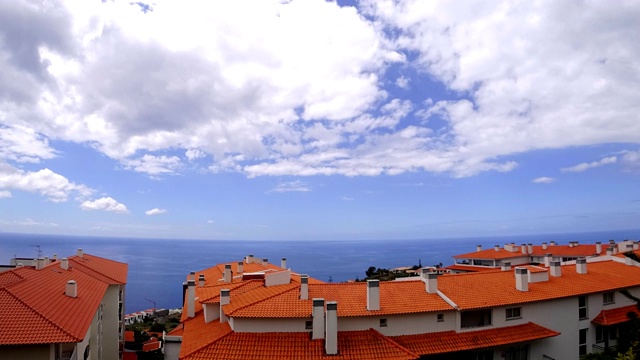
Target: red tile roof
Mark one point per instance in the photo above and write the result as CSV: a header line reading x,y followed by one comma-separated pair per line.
x,y
129,336
368,344
109,271
450,341
490,289
555,250
198,334
34,308
129,355
470,268
615,316
491,254
151,345
283,301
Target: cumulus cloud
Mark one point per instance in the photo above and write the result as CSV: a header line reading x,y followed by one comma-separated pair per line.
x,y
5,194
293,186
308,93
55,187
105,204
586,166
155,211
544,180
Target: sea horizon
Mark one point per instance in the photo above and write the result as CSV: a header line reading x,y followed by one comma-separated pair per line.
x,y
157,267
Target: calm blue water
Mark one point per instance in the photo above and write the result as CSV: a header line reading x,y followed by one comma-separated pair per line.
x,y
157,268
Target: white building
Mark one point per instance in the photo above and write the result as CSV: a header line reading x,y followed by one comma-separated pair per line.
x,y
253,309
63,309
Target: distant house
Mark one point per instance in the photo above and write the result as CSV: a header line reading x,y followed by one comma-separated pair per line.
x,y
64,309
253,309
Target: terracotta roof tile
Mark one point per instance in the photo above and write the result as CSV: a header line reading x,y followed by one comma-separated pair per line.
x,y
351,345
283,301
490,289
177,331
198,334
491,254
42,302
450,341
129,336
557,250
615,316
110,271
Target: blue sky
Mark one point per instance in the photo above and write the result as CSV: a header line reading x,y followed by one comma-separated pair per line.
x,y
312,120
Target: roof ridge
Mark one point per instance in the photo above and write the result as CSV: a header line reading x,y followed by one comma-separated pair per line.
x,y
73,257
59,327
393,342
291,288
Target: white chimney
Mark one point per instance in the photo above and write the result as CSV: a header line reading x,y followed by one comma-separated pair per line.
x,y
201,280
265,262
544,246
547,259
318,319
524,248
283,263
34,263
598,247
304,287
192,276
225,298
530,248
191,298
240,267
227,273
581,266
555,269
522,279
610,251
432,283
54,257
506,266
64,264
552,243
478,247
496,248
248,259
80,253
331,339
40,263
46,261
72,289
373,296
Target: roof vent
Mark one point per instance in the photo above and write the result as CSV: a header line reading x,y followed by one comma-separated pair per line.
x,y
496,248
240,267
478,247
64,264
201,281
555,269
80,253
283,263
598,247
581,266
72,289
227,273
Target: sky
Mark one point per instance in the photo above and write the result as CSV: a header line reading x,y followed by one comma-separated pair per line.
x,y
319,120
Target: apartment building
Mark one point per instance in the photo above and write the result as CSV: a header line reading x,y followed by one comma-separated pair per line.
x,y
63,309
255,310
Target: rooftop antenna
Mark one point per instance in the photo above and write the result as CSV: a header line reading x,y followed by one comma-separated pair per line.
x,y
39,249
154,305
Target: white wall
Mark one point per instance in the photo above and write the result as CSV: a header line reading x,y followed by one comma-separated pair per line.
x,y
111,323
172,346
403,324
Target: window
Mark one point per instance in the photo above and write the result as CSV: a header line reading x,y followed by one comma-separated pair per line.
x,y
484,355
517,353
383,322
475,318
582,342
613,332
582,307
607,298
514,313
308,325
600,333
440,317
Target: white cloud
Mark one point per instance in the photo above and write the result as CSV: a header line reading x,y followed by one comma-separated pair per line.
x,y
631,159
544,180
31,222
105,204
585,166
155,165
301,88
293,186
210,222
155,211
347,198
55,187
5,194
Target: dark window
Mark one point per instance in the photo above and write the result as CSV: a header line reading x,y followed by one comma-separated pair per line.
x,y
613,332
582,307
600,335
607,298
484,355
308,325
517,353
476,318
383,322
514,313
582,342
440,317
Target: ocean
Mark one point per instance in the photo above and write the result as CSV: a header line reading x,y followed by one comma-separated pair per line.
x,y
157,267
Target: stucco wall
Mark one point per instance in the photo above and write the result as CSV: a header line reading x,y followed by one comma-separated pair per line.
x,y
110,323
